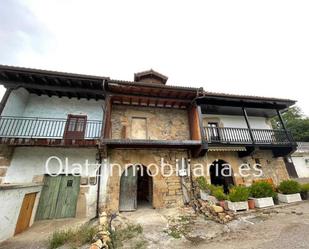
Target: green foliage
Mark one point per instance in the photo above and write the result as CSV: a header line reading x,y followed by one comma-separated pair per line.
x,y
217,191
304,188
239,193
289,187
261,190
202,183
121,235
175,234
75,237
296,122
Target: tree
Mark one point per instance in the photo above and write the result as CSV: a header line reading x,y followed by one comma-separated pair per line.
x,y
296,122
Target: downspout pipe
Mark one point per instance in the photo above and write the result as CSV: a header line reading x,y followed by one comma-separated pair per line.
x,y
99,171
99,182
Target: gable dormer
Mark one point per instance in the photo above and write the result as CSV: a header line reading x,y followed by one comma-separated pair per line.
x,y
150,76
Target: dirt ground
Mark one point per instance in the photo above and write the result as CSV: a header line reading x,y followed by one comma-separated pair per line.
x,y
36,237
284,227
280,227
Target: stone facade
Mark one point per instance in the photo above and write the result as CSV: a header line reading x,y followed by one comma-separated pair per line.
x,y
162,124
272,167
230,157
6,153
166,190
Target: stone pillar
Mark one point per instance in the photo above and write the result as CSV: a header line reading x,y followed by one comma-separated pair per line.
x,y
6,153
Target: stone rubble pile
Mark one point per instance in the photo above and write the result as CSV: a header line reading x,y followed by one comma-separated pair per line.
x,y
212,211
103,236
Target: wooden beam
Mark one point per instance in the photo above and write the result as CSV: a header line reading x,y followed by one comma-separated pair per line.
x,y
5,99
284,126
281,120
11,84
185,101
248,124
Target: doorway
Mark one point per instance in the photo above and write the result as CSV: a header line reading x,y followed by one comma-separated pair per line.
x,y
59,197
221,174
75,127
25,213
136,188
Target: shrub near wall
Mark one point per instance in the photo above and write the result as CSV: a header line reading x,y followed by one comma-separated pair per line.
x,y
238,198
289,187
289,191
262,190
263,194
238,194
304,192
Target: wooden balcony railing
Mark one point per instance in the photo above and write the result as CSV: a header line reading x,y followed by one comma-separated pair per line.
x,y
242,136
49,128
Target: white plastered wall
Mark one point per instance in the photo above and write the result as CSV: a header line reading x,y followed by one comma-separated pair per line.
x,y
301,166
232,121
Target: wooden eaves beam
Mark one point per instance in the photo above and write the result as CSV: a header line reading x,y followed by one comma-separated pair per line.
x,y
186,101
10,84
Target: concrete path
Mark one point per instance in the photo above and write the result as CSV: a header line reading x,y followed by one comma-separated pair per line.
x,y
284,227
36,237
153,223
289,228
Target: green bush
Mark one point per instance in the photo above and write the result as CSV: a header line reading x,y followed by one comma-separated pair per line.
x,y
261,190
218,192
289,187
239,193
202,183
73,236
304,188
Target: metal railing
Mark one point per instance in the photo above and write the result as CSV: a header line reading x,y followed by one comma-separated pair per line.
x,y
242,136
52,128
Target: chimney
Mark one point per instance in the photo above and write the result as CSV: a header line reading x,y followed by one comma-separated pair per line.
x,y
150,76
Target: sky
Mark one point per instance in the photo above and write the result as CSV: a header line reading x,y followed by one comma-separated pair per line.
x,y
240,46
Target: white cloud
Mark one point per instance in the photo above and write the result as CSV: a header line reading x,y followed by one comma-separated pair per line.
x,y
246,47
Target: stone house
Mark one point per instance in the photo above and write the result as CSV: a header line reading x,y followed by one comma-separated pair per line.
x,y
71,143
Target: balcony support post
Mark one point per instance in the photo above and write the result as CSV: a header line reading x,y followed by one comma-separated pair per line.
x,y
248,124
283,125
281,120
5,99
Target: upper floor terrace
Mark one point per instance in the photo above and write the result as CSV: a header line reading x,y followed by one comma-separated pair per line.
x,y
59,109
244,122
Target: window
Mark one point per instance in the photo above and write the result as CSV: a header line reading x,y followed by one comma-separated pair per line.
x,y
213,131
75,127
139,128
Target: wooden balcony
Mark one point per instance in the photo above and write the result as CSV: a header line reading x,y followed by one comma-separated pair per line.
x,y
48,132
279,141
242,136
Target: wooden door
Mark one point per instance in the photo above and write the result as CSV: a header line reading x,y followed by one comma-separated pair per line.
x,y
128,191
25,213
75,127
67,197
59,197
48,198
139,128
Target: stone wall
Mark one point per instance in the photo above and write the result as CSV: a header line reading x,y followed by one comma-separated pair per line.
x,y
166,190
230,157
272,167
6,153
162,124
